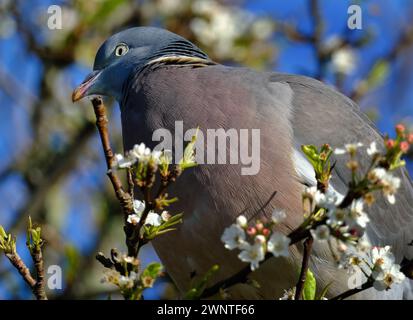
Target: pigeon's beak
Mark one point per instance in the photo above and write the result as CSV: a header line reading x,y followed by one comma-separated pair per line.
x,y
83,89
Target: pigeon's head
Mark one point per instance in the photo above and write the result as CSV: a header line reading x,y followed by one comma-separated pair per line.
x,y
127,52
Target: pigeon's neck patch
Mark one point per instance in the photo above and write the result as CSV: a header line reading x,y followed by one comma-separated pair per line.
x,y
182,60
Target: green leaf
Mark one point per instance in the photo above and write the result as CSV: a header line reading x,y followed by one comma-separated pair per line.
x,y
174,220
106,8
312,154
324,291
7,242
73,260
33,235
188,159
309,286
378,74
198,289
3,233
153,270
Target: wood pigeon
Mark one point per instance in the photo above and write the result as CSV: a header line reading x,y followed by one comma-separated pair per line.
x,y
159,78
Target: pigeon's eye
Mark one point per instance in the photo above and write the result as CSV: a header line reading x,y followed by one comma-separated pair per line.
x,y
121,49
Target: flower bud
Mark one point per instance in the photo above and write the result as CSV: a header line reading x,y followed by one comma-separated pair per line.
x,y
242,221
265,231
251,231
390,143
404,146
165,215
260,239
259,226
400,129
342,247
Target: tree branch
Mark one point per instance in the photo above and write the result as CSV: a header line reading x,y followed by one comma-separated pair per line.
x,y
351,292
102,126
36,285
21,267
125,198
308,244
39,288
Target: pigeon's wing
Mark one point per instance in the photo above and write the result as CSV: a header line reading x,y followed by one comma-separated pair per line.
x,y
323,115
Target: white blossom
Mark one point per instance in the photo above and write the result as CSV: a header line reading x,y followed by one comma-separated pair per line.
x,y
165,215
390,184
262,29
348,148
310,192
278,245
110,276
351,261
382,258
372,149
131,260
328,200
242,221
344,61
321,233
153,219
278,216
386,278
127,281
356,215
253,254
156,156
141,152
233,237
134,219
171,7
336,217
386,181
288,294
376,175
138,207
260,239
363,246
123,162
133,275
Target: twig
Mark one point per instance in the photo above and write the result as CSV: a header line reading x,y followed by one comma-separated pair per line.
x,y
317,24
317,36
21,267
102,125
348,293
125,198
106,262
308,244
133,239
36,285
261,209
39,287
